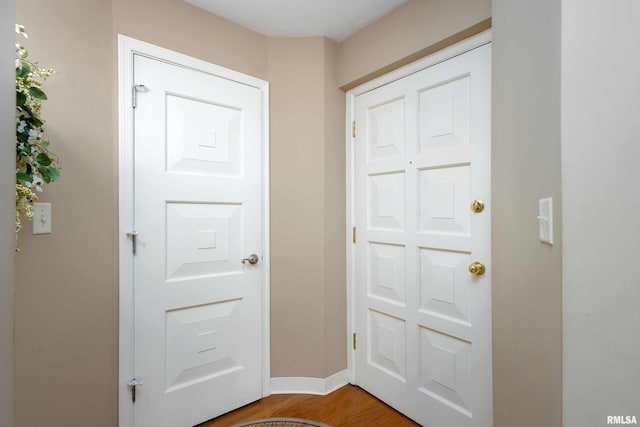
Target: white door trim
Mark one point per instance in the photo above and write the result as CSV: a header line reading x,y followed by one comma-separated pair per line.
x,y
426,62
127,47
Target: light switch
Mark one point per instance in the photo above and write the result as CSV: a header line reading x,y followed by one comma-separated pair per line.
x,y
41,218
545,220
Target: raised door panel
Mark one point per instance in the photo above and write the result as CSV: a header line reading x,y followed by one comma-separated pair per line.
x,y
203,137
203,342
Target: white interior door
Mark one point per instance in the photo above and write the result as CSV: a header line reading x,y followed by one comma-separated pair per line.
x,y
198,214
423,321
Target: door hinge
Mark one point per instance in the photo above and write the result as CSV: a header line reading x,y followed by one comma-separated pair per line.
x,y
355,232
132,384
353,129
134,93
355,340
134,240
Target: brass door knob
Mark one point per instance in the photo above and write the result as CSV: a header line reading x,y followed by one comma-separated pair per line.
x,y
477,268
477,206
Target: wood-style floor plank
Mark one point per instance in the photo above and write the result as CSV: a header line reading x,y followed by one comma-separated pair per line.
x,y
348,406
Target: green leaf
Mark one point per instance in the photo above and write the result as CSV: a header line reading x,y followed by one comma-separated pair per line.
x,y
23,136
23,177
45,174
54,174
21,99
24,70
43,159
37,93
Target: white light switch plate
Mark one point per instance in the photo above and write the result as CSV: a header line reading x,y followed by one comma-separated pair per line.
x,y
41,218
545,220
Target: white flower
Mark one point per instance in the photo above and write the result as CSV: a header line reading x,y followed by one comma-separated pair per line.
x,y
22,125
37,181
20,30
34,135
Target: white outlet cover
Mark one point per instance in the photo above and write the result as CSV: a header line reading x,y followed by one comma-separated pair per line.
x,y
545,220
41,218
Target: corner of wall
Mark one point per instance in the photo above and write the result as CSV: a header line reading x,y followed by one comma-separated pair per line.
x,y
335,211
308,207
296,78
7,211
527,274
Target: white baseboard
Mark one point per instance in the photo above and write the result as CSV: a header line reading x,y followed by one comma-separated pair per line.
x,y
306,385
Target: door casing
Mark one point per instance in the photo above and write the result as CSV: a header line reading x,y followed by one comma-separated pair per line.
x,y
438,57
127,47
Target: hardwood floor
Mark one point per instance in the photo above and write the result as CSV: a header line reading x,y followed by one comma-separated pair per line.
x,y
348,406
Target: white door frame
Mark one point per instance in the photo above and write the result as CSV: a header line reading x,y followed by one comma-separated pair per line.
x,y
127,47
421,64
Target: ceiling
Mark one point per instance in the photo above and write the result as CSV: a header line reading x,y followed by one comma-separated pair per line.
x,y
335,19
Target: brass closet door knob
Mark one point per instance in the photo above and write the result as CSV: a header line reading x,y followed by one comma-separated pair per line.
x,y
477,268
477,206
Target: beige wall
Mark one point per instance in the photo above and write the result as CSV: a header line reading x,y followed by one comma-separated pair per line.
x,y
308,327
600,177
296,80
527,274
179,26
408,29
66,282
335,298
7,210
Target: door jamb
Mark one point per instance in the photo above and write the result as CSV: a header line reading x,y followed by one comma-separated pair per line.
x,y
419,65
127,48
